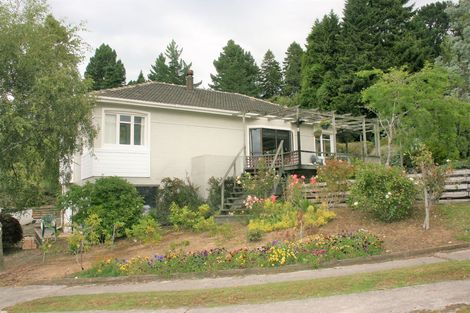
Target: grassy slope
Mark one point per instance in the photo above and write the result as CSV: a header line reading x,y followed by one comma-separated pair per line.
x,y
453,270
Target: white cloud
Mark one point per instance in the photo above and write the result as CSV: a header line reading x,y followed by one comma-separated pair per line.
x,y
139,30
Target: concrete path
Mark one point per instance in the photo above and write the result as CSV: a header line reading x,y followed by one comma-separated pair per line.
x,y
12,295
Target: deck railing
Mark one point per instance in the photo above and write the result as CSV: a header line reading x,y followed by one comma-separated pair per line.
x,y
292,158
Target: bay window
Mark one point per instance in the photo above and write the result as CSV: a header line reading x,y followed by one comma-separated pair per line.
x,y
124,129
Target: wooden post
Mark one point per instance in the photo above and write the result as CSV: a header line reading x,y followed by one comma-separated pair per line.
x,y
1,249
364,137
333,120
244,140
298,139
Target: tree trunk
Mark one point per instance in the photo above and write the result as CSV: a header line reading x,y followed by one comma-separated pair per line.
x,y
1,249
389,146
426,209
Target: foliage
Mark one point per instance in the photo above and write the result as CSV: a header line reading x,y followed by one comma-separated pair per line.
x,y
312,250
214,198
45,108
270,78
146,230
457,57
254,235
319,66
279,215
140,79
103,204
175,190
385,192
236,71
195,220
418,108
12,233
105,70
335,173
261,183
173,72
431,24
291,69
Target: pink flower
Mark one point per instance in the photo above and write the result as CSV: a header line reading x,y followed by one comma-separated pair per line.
x,y
302,177
312,180
273,198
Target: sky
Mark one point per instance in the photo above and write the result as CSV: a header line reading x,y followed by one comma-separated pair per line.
x,y
140,30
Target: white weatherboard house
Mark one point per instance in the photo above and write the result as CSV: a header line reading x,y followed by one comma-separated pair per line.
x,y
155,130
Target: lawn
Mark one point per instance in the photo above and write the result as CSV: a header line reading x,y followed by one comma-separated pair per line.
x,y
452,270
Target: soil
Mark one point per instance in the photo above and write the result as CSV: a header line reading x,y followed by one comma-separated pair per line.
x,y
26,266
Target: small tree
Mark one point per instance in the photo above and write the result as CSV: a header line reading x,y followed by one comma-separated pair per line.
x,y
432,180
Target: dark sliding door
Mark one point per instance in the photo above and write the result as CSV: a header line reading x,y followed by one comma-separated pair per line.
x,y
266,140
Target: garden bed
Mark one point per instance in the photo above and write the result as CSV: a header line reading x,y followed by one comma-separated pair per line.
x,y
448,222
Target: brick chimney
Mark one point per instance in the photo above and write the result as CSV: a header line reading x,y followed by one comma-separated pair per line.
x,y
189,80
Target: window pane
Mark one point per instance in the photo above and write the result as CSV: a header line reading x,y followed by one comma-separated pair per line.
x,y
138,130
138,120
269,141
110,128
255,141
284,135
125,118
138,134
125,134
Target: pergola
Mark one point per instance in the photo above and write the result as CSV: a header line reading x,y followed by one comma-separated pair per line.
x,y
315,117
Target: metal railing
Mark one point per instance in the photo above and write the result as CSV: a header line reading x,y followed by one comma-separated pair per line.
x,y
233,166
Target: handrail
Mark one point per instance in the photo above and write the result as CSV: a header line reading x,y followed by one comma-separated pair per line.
x,y
222,183
273,165
278,151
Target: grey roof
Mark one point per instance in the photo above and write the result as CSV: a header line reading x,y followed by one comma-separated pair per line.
x,y
180,95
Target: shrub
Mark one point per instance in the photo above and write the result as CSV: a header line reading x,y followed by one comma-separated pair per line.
x,y
279,215
259,185
146,230
255,235
113,200
12,233
184,218
335,173
385,192
175,190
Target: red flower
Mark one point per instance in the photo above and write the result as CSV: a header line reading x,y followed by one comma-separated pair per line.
x,y
312,180
273,198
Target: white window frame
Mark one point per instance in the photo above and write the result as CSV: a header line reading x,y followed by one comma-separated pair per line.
x,y
132,114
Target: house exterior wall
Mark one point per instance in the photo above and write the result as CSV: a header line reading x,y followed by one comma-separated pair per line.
x,y
177,144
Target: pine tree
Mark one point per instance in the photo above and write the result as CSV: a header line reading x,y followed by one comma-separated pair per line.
x,y
270,76
105,70
159,71
319,67
173,72
371,37
236,71
432,24
140,79
292,66
457,56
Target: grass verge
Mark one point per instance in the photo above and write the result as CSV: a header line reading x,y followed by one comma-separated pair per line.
x,y
458,216
452,270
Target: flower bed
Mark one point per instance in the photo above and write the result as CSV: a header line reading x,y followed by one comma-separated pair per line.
x,y
311,251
